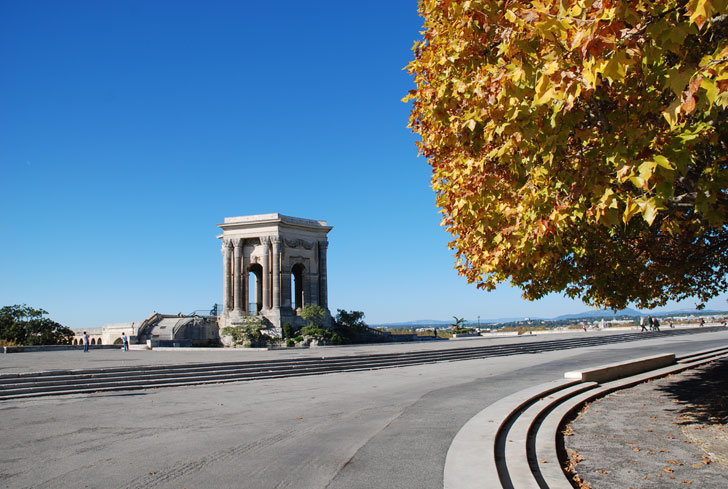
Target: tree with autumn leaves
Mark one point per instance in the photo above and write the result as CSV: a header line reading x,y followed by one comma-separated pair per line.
x,y
579,146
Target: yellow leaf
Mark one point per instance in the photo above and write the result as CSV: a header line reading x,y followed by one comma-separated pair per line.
x,y
630,210
672,114
638,182
647,169
624,173
711,89
616,68
664,162
649,208
543,92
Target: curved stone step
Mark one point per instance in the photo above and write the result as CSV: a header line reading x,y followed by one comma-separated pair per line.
x,y
513,442
472,460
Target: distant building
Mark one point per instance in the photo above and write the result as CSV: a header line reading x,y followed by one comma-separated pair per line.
x,y
159,330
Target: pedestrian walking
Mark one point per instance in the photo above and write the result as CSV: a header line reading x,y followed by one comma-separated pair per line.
x,y
125,341
85,342
650,323
702,322
656,324
642,324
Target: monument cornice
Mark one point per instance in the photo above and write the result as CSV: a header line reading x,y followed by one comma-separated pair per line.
x,y
261,220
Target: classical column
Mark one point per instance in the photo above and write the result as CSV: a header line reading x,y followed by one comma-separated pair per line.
x,y
226,275
323,286
286,294
246,281
313,288
276,272
265,241
237,277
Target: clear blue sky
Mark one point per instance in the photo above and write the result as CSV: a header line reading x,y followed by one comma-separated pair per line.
x,y
128,130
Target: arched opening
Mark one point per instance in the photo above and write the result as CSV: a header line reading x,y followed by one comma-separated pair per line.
x,y
98,342
297,273
93,341
75,341
255,292
117,341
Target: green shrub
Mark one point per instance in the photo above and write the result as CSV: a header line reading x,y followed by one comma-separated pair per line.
x,y
290,342
317,332
289,331
249,333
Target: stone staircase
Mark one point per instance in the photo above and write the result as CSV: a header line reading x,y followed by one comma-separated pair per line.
x,y
34,384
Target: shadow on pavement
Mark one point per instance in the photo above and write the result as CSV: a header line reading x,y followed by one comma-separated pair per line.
x,y
702,397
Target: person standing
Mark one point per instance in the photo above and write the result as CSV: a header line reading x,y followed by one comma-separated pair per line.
x,y
85,342
125,341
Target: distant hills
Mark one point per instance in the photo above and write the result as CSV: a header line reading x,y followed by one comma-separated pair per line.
x,y
601,313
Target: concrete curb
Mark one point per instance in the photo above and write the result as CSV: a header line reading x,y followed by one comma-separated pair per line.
x,y
471,459
613,371
23,349
513,443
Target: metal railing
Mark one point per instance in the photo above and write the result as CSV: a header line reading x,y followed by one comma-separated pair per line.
x,y
215,310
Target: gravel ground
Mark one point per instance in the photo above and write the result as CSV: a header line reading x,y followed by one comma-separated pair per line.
x,y
666,433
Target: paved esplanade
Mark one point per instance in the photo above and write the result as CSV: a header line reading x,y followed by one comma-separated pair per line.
x,y
384,428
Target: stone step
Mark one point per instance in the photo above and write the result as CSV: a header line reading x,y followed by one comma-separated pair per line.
x,y
513,442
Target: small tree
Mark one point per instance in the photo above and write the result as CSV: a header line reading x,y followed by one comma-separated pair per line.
x,y
23,325
459,326
353,319
313,314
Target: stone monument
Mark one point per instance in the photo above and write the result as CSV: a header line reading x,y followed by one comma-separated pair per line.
x,y
272,266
